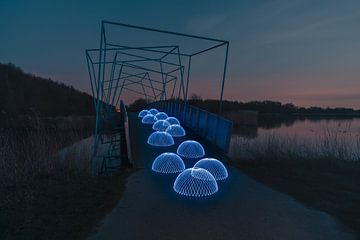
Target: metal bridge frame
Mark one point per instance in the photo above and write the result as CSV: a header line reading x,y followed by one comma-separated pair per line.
x,y
107,92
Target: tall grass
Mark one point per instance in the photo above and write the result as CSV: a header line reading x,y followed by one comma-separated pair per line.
x,y
333,145
321,171
31,152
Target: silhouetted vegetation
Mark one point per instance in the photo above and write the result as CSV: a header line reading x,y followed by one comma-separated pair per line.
x,y
48,195
264,108
47,190
323,175
272,114
268,107
26,94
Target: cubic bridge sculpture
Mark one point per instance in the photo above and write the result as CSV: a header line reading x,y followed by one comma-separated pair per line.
x,y
153,63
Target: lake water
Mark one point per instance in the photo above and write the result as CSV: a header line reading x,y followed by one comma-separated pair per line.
x,y
321,134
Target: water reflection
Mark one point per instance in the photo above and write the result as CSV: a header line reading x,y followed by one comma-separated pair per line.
x,y
276,121
246,131
298,125
329,137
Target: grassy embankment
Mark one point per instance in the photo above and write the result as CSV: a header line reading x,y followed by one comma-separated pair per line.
x,y
42,197
324,175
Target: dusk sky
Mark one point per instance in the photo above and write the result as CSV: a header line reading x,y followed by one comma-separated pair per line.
x,y
301,51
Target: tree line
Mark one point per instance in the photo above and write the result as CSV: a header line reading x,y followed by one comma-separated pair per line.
x,y
262,107
24,94
268,107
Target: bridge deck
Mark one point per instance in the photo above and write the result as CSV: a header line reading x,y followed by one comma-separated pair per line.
x,y
242,209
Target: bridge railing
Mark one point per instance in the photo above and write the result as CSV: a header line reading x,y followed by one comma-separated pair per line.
x,y
212,127
126,158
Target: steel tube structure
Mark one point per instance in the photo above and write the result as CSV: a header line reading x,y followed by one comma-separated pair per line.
x,y
148,70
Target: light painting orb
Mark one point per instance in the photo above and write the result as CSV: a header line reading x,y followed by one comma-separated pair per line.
x,y
143,113
161,125
161,116
153,111
195,182
191,149
149,119
173,120
176,130
214,166
160,139
168,163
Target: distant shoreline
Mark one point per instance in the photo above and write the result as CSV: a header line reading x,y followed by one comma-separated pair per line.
x,y
325,115
328,114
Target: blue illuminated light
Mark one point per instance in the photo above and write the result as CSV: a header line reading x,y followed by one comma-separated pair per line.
x,y
168,163
143,113
160,139
214,166
149,119
161,125
173,120
153,111
176,130
161,116
190,149
195,182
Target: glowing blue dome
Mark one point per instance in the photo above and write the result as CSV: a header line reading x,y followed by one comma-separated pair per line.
x,y
214,166
143,113
161,116
153,111
176,130
160,139
149,119
173,120
190,149
195,182
161,125
168,163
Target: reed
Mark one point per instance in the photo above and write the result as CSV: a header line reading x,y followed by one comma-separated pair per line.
x,y
322,173
31,152
331,145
